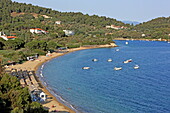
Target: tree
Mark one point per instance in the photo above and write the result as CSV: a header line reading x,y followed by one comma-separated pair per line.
x,y
52,45
61,33
1,68
1,45
14,44
17,110
32,45
36,44
35,107
40,18
14,98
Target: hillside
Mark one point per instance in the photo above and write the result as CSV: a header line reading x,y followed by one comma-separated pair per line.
x,y
69,18
161,22
155,28
56,29
16,19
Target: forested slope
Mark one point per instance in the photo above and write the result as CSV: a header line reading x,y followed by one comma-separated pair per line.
x,y
155,28
16,19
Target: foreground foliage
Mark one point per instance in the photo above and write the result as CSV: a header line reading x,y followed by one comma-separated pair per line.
x,y
14,98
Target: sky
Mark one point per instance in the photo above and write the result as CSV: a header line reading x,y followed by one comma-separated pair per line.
x,y
131,10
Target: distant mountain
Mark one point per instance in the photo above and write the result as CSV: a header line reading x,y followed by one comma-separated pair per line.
x,y
131,22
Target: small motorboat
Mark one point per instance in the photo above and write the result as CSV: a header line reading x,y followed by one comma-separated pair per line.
x,y
85,67
94,60
136,67
117,49
126,43
41,75
109,60
130,60
117,68
127,61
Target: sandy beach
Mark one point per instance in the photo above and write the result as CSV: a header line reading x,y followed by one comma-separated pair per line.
x,y
52,103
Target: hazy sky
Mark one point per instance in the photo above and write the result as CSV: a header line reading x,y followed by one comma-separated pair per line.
x,y
133,10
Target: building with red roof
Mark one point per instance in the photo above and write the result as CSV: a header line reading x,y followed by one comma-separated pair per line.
x,y
38,31
5,37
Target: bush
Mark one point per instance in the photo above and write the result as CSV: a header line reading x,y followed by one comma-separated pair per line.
x,y
14,44
52,45
38,51
36,45
14,98
73,45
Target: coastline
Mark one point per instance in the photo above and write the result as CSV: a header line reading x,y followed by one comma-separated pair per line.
x,y
141,39
34,65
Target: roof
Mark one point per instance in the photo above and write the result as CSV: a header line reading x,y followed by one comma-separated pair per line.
x,y
39,29
11,37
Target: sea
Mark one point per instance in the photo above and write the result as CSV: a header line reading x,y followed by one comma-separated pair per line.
x,y
101,89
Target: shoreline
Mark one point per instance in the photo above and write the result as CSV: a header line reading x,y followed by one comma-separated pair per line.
x,y
141,39
34,66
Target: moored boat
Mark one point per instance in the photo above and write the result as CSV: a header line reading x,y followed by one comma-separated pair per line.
x,y
85,67
117,49
117,68
136,67
109,60
95,60
127,61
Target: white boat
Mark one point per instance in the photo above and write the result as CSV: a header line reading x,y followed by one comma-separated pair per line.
x,y
95,60
136,67
127,61
117,68
109,60
126,43
117,49
85,67
41,75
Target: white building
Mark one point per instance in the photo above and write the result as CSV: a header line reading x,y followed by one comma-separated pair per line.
x,y
58,22
116,27
143,35
43,96
38,31
5,37
108,27
69,32
2,33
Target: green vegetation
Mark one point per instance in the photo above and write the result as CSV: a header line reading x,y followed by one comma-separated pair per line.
x,y
14,98
17,18
156,28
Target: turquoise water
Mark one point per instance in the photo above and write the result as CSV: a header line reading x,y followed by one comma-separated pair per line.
x,y
104,90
